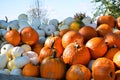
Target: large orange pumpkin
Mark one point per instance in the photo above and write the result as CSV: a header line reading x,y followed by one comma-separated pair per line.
x,y
106,19
56,43
76,54
78,72
103,69
97,47
52,67
103,29
31,70
29,35
88,32
72,36
13,37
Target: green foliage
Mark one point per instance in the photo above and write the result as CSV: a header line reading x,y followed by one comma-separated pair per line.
x,y
107,7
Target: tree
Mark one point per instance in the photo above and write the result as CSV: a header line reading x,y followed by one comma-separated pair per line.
x,y
107,7
38,12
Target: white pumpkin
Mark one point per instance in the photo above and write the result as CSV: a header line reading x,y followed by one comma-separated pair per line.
x,y
2,32
50,29
54,22
11,65
23,23
3,61
34,27
41,32
87,20
42,26
3,42
63,27
36,22
94,25
23,16
16,71
3,24
33,56
68,20
17,51
42,39
26,47
56,33
6,49
5,71
13,24
20,61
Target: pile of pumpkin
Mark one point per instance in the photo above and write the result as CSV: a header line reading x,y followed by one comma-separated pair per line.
x,y
65,51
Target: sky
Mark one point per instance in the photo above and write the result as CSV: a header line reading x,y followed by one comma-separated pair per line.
x,y
57,9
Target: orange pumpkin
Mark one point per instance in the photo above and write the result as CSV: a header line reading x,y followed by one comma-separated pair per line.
x,y
29,35
117,43
110,39
56,43
72,36
78,72
116,31
97,47
31,70
111,52
76,54
106,19
52,67
62,32
118,22
117,75
103,69
88,32
45,52
116,59
103,29
12,37
37,47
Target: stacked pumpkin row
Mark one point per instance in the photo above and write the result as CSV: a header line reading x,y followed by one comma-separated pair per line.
x,y
85,53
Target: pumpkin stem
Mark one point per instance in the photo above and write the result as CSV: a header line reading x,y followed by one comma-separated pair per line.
x,y
10,28
6,19
52,34
77,45
52,43
54,53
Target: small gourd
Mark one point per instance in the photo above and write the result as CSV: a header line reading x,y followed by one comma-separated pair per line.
x,y
17,51
20,61
3,61
16,71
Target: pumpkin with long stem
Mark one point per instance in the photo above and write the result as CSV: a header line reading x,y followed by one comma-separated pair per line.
x,y
56,41
52,67
47,51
